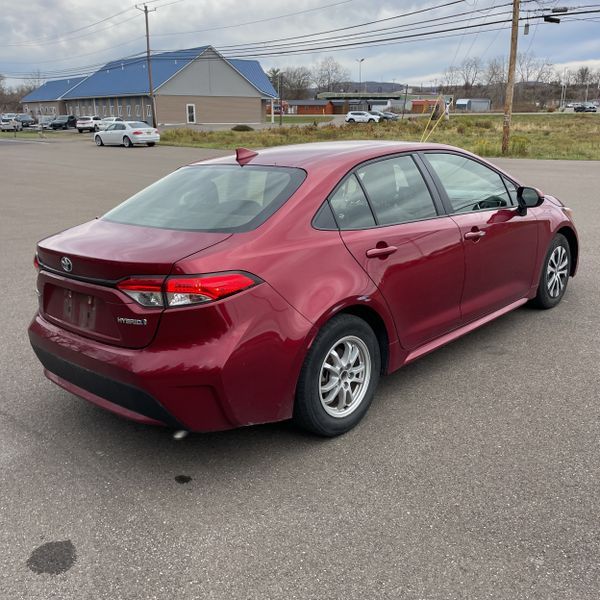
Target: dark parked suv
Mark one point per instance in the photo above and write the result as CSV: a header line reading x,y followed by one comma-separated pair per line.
x,y
25,120
63,122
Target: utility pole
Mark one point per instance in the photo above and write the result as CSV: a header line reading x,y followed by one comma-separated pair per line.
x,y
405,99
510,84
150,86
280,102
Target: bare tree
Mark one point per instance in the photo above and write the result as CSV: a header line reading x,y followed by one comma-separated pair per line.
x,y
329,75
296,82
469,70
582,75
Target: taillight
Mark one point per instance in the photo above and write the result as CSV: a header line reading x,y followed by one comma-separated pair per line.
x,y
36,262
205,288
138,132
146,291
185,290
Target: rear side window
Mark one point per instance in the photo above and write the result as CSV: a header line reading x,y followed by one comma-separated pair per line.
x,y
350,207
397,191
224,198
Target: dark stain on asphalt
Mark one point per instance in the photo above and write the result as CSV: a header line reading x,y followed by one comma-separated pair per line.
x,y
53,558
183,479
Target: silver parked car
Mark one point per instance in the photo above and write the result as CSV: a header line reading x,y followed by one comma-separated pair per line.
x,y
128,134
361,116
107,122
88,123
9,123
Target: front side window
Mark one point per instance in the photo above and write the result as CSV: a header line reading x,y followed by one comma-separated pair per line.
x,y
396,191
350,206
224,198
469,185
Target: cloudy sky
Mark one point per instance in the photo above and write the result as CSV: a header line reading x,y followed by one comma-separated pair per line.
x,y
69,37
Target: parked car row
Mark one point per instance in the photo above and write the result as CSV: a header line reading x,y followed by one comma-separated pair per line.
x,y
370,116
585,107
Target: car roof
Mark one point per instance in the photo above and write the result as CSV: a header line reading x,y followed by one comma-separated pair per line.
x,y
316,154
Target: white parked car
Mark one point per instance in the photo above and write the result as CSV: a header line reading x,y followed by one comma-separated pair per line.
x,y
8,123
88,123
107,122
128,134
361,116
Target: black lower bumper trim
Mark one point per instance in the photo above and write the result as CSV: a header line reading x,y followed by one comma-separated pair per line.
x,y
124,395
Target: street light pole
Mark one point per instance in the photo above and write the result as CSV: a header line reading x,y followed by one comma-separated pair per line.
x,y
405,99
510,84
360,62
150,86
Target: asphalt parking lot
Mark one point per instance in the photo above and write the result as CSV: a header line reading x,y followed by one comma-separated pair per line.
x,y
474,475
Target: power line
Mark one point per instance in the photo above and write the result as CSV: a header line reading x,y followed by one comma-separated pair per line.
x,y
326,44
59,38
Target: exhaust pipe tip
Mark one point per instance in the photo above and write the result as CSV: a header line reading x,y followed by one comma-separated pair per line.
x,y
180,434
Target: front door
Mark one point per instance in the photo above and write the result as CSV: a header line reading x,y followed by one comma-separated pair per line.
x,y
500,244
390,224
191,113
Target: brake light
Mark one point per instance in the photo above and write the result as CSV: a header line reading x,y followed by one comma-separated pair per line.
x,y
205,288
138,132
182,291
36,262
146,291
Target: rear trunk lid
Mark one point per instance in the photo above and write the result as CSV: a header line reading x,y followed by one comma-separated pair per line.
x,y
80,268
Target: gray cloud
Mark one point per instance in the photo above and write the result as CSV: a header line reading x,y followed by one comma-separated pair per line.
x,y
37,26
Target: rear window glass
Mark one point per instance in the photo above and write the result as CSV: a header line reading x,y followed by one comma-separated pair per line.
x,y
224,198
136,124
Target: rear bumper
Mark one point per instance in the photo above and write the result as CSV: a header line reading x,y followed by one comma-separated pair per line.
x,y
240,370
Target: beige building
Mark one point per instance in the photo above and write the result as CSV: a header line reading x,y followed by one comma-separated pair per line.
x,y
191,86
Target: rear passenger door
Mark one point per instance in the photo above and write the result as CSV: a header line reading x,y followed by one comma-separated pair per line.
x,y
395,228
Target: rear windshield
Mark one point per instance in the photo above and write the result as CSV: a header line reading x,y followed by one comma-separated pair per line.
x,y
222,198
135,124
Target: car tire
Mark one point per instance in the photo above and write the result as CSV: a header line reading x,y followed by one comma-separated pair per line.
x,y
150,144
80,130
351,121
371,120
555,274
98,140
325,381
127,142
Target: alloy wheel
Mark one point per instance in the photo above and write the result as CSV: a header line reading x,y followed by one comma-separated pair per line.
x,y
557,272
345,376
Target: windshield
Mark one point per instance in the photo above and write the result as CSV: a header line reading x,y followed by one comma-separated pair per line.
x,y
221,198
133,125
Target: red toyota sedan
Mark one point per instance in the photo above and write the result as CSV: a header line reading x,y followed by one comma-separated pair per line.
x,y
283,283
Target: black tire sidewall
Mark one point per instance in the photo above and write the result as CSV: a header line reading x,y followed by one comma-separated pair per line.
x,y
308,410
543,298
127,142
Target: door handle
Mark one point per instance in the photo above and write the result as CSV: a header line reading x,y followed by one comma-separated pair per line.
x,y
474,235
381,252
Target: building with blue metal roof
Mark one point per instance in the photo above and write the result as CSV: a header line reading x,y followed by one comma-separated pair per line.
x,y
196,85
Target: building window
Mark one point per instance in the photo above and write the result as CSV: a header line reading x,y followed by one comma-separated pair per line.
x,y
137,110
119,110
191,113
110,106
129,110
148,111
54,110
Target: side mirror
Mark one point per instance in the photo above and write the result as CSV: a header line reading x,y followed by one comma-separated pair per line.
x,y
528,197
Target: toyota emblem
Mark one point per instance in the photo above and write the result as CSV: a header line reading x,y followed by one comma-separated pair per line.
x,y
66,264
